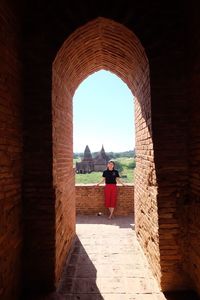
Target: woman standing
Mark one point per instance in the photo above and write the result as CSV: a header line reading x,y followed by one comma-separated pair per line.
x,y
111,178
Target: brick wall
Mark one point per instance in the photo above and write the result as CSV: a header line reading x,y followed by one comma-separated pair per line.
x,y
146,214
130,63
38,191
193,205
10,152
170,138
63,173
90,200
161,183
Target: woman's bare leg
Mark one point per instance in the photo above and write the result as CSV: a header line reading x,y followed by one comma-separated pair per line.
x,y
111,209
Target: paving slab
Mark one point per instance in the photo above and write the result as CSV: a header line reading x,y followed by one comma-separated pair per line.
x,y
107,263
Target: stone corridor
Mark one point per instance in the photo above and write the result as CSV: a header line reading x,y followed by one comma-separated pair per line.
x,y
107,263
47,49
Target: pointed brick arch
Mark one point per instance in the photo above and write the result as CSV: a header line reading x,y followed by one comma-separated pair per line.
x,y
103,44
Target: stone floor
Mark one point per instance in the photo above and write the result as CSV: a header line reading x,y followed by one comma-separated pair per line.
x,y
107,263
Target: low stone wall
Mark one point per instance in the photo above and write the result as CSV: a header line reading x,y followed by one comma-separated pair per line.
x,y
90,200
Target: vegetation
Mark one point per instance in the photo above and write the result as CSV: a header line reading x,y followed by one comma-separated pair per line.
x,y
125,166
93,177
113,155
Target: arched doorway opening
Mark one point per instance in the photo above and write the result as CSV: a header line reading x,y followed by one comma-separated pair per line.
x,y
103,44
103,129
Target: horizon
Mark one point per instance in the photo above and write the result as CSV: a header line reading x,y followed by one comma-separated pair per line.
x,y
132,150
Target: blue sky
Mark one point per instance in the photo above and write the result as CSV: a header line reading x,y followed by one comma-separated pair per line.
x,y
103,113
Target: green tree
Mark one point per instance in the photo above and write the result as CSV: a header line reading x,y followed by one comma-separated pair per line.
x,y
131,165
119,166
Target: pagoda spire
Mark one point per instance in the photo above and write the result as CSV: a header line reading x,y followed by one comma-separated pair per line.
x,y
87,154
102,152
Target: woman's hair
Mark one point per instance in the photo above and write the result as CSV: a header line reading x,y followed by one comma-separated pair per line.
x,y
111,161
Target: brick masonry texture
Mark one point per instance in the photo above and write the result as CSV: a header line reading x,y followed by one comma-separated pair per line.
x,y
10,153
192,207
90,200
155,50
63,173
170,141
39,215
118,50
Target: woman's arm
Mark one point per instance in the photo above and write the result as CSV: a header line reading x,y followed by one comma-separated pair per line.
x,y
102,181
119,180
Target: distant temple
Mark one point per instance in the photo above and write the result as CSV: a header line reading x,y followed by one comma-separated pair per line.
x,y
89,164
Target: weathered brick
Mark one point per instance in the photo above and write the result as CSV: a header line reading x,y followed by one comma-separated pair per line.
x,y
90,200
162,72
10,153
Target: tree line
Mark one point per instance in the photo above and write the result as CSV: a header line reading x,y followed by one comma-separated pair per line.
x,y
113,155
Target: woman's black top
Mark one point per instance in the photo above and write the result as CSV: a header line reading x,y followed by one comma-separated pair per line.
x,y
110,176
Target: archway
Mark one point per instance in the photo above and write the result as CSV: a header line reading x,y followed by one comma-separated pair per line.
x,y
103,127
103,44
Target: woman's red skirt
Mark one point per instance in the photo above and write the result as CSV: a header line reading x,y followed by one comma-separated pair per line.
x,y
110,192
